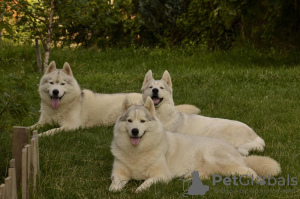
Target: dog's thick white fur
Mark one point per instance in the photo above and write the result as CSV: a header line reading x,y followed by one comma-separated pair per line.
x,y
235,133
63,102
144,151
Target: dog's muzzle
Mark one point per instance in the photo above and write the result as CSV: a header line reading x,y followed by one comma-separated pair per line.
x,y
135,139
156,100
55,99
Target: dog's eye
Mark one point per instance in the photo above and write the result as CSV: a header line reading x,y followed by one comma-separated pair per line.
x,y
62,84
142,121
129,120
50,82
161,87
151,87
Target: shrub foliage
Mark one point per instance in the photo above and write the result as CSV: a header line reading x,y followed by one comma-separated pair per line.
x,y
212,24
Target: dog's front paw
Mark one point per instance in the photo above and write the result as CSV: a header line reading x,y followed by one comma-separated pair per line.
x,y
50,132
243,151
35,127
140,189
114,188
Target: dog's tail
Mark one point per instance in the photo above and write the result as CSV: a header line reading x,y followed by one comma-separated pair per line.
x,y
187,109
263,166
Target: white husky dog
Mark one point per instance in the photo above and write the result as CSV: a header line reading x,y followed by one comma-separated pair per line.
x,y
63,102
144,151
235,133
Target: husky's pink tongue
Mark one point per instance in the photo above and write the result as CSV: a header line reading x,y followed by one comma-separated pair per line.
x,y
155,100
55,102
135,141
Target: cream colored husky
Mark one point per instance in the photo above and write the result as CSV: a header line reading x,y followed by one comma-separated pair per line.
x,y
235,133
63,102
144,151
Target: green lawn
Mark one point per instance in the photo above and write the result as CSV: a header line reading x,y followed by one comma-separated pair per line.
x,y
260,89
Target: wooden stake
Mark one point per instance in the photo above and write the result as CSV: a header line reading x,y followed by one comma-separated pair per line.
x,y
35,133
20,139
34,160
2,191
8,188
29,161
24,174
38,56
12,174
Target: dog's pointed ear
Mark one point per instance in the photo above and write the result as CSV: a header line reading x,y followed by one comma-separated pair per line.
x,y
126,104
148,77
150,106
67,69
166,76
50,68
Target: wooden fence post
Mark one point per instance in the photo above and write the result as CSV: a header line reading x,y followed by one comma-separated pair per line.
x,y
29,162
24,166
25,194
35,134
20,139
12,174
34,160
2,191
8,188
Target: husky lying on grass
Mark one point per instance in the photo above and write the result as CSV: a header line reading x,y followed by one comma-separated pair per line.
x,y
63,102
144,151
235,133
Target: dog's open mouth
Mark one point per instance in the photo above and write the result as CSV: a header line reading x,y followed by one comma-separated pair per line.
x,y
136,140
55,101
156,100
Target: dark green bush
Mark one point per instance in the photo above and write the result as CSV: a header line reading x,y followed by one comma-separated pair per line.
x,y
211,24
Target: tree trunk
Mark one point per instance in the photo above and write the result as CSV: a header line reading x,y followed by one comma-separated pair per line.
x,y
47,44
46,57
38,56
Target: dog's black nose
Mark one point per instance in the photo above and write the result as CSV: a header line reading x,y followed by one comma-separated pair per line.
x,y
155,91
55,92
135,132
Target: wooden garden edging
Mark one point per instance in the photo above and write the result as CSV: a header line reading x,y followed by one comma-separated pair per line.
x,y
24,166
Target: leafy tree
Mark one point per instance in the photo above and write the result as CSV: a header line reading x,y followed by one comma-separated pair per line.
x,y
212,24
96,22
159,20
34,17
4,25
